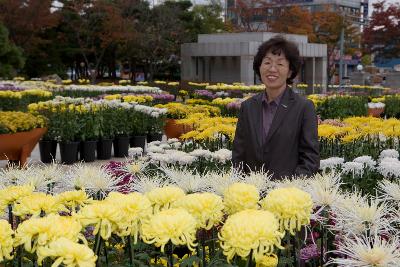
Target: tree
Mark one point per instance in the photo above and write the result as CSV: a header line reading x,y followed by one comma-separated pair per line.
x,y
382,35
293,20
10,55
249,15
327,25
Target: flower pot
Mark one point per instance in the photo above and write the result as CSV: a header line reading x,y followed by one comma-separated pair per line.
x,y
69,152
138,141
154,137
174,130
104,147
48,150
121,146
18,146
375,112
88,150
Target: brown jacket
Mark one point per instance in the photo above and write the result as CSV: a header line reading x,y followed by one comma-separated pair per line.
x,y
291,147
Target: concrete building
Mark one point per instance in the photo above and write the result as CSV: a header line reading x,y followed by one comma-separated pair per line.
x,y
228,57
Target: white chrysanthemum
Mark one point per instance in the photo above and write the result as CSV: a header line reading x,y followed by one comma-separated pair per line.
x,y
176,145
354,168
9,175
367,161
201,153
186,179
331,163
223,155
153,143
40,177
390,190
298,182
135,151
218,182
145,183
155,149
172,140
324,189
356,215
389,167
165,146
260,179
389,153
97,180
368,252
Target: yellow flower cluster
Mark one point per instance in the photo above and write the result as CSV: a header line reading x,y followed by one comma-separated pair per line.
x,y
205,207
36,203
15,121
113,97
198,84
248,230
66,82
6,240
10,94
292,207
195,101
73,199
206,128
160,82
175,225
83,81
162,198
268,261
11,194
378,99
138,98
124,82
242,87
317,99
173,83
357,128
68,253
36,92
240,196
223,101
180,111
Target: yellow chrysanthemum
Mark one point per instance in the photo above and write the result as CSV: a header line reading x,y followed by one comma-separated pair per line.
x,y
267,261
248,230
240,196
162,198
6,241
73,199
175,225
40,231
68,253
135,209
291,206
10,194
205,207
36,203
105,216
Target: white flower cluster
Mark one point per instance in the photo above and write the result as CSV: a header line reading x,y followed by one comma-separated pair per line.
x,y
376,105
331,163
127,88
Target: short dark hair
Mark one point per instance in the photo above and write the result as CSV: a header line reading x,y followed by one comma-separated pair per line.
x,y
277,45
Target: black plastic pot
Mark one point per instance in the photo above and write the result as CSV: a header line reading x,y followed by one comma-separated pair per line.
x,y
69,152
121,146
48,150
138,141
88,151
104,147
154,137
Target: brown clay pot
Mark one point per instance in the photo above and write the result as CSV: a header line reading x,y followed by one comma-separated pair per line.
x,y
375,112
174,130
18,146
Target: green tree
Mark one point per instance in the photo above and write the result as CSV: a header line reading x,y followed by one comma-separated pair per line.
x,y
11,58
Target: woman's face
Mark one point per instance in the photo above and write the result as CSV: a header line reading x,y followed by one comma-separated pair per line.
x,y
274,71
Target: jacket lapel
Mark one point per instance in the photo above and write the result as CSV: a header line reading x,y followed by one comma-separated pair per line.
x,y
283,109
257,119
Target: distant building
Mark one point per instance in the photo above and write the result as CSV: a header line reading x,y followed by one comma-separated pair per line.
x,y
228,57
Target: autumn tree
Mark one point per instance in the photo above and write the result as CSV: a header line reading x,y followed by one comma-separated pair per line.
x,y
294,20
382,35
10,55
249,15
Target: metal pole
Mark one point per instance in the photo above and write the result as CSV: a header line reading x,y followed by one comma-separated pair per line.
x,y
341,58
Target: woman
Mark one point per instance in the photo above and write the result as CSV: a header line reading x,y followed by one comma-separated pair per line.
x,y
277,129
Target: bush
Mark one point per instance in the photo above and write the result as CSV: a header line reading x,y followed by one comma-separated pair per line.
x,y
392,108
342,107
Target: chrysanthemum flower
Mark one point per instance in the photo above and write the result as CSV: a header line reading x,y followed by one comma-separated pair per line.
x,y
68,253
36,203
291,206
267,261
240,196
6,241
218,182
188,180
10,194
175,225
105,216
260,179
162,198
145,183
324,189
368,251
390,190
73,199
135,209
40,231
247,230
205,207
